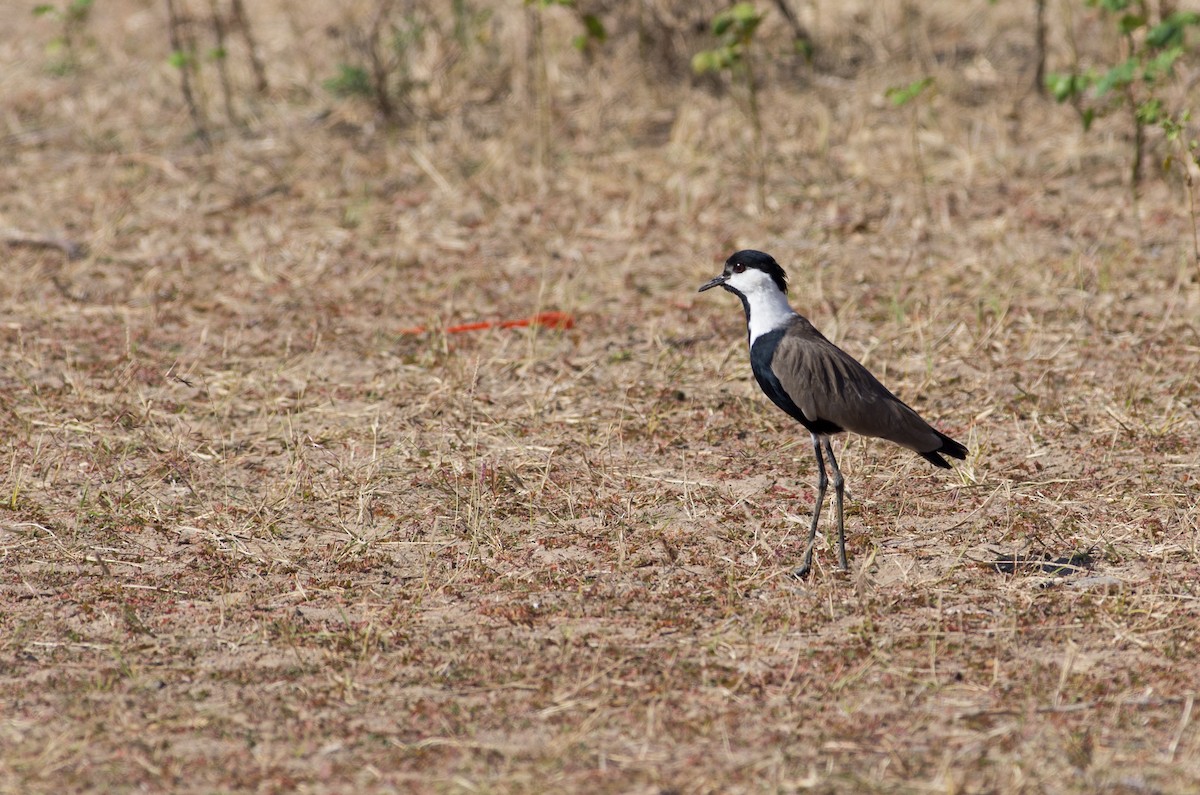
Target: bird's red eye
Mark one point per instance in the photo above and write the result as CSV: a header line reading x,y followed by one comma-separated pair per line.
x,y
739,268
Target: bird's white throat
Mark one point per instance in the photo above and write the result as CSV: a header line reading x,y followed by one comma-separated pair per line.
x,y
769,310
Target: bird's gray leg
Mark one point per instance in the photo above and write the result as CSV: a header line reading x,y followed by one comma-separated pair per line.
x,y
839,484
822,482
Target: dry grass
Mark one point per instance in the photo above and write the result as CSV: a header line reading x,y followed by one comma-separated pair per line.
x,y
257,539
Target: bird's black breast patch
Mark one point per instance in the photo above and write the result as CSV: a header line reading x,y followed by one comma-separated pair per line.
x,y
761,354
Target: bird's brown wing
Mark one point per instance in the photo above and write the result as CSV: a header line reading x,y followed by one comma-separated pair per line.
x,y
826,383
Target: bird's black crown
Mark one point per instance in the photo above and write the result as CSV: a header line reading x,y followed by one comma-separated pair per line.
x,y
763,262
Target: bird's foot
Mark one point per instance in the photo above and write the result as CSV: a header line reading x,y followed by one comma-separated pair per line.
x,y
805,569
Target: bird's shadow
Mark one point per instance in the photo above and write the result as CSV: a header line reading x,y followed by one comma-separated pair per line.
x,y
1062,566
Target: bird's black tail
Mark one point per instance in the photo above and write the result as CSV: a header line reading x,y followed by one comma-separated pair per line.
x,y
949,447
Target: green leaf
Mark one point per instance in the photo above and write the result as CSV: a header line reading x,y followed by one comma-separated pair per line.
x,y
1171,128
715,60
44,9
179,59
1063,85
902,95
740,22
350,81
594,27
1150,111
1131,22
746,14
1118,76
1161,64
1172,30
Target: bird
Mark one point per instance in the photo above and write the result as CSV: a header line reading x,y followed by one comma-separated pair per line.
x,y
819,385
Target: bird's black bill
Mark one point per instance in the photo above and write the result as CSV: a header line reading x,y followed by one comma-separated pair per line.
x,y
717,282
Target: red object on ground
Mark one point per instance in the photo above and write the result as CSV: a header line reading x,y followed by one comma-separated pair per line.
x,y
555,320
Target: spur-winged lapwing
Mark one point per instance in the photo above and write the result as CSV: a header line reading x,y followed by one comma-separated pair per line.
x,y
819,384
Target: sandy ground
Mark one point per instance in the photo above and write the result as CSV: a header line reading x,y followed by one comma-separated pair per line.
x,y
259,538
